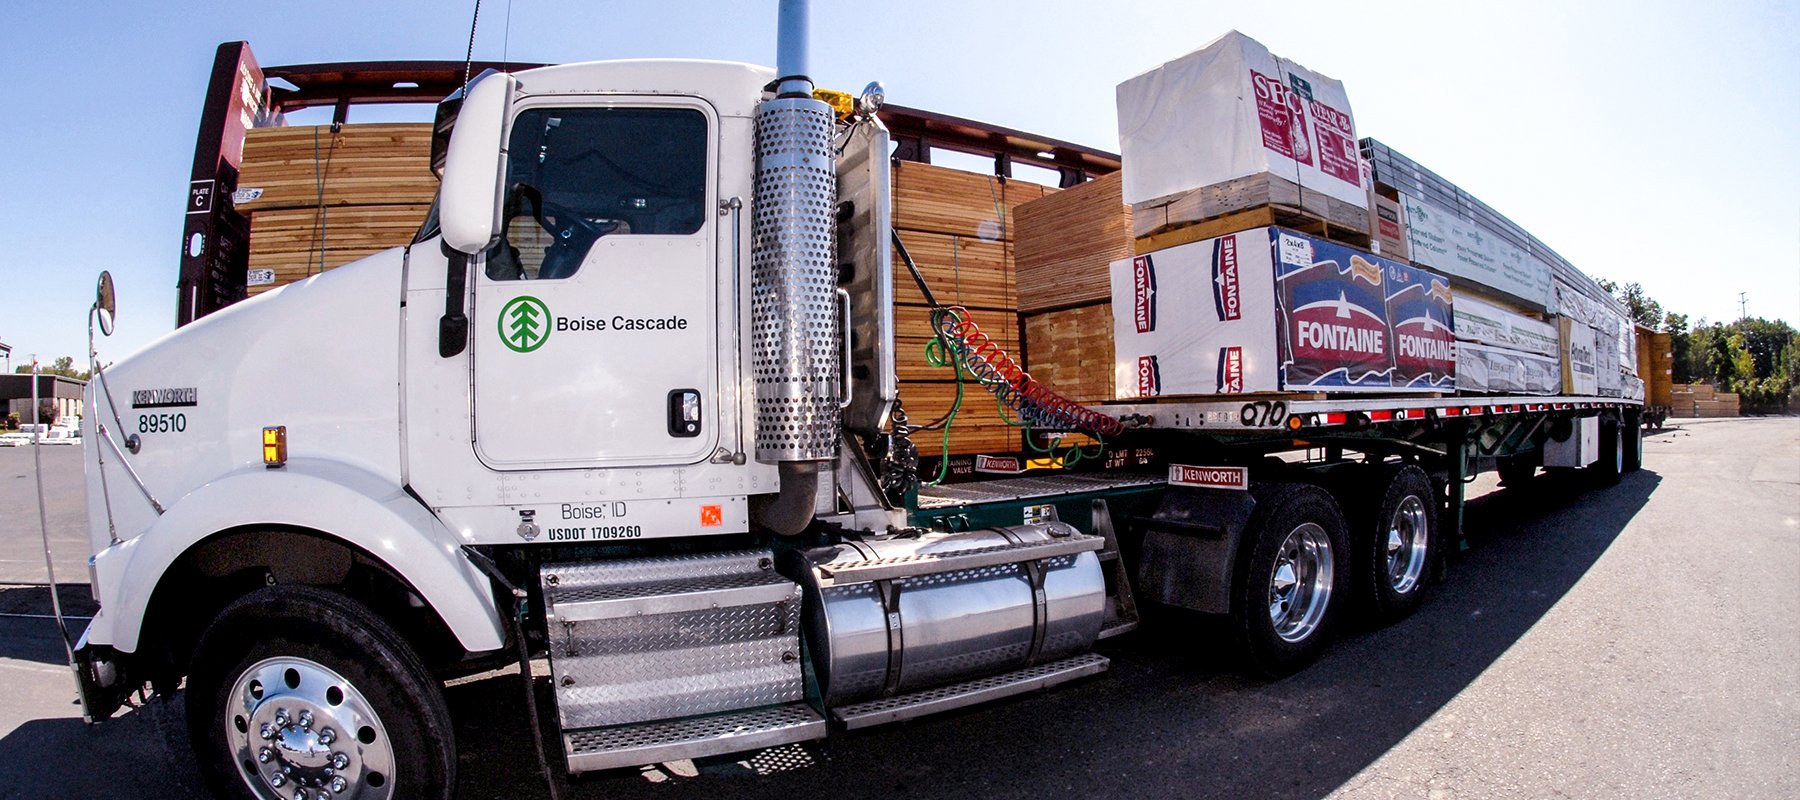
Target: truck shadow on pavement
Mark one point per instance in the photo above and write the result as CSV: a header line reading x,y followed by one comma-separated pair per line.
x,y
1171,719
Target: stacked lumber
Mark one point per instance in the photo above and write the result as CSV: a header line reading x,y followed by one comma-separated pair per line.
x,y
1071,351
318,200
1702,400
1244,203
958,227
1066,242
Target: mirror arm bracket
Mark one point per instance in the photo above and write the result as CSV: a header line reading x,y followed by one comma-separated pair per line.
x,y
453,326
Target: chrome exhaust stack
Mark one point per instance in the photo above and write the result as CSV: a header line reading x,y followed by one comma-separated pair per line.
x,y
796,343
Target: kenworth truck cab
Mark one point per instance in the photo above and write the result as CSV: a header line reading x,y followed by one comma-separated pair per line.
x,y
627,402
612,404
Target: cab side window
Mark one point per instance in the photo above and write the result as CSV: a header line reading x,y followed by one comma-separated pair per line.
x,y
576,174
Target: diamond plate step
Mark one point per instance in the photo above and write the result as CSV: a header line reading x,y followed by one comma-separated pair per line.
x,y
968,693
694,737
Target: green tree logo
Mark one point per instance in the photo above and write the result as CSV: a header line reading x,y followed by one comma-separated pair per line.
x,y
524,324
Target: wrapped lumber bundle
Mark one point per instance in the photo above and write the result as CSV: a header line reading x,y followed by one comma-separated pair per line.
x,y
1501,350
1232,127
318,199
958,227
1271,310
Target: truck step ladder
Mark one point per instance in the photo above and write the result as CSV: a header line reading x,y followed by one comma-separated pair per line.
x,y
672,657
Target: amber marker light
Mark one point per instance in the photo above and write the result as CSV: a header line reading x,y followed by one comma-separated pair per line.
x,y
1293,422
274,445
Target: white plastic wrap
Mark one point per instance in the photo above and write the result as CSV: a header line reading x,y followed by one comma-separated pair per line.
x,y
1481,369
1485,323
1233,109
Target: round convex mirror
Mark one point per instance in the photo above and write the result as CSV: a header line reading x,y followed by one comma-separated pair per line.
x,y
105,302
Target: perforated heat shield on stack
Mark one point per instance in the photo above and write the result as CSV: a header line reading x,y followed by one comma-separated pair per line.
x,y
793,308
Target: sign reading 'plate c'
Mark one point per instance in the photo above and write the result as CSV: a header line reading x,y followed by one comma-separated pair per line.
x,y
524,324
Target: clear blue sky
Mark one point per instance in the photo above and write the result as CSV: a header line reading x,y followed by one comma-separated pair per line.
x,y
1646,141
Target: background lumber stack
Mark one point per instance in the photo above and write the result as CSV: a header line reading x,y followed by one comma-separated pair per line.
x,y
376,189
958,227
1702,400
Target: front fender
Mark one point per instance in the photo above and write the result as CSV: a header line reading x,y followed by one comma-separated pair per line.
x,y
355,506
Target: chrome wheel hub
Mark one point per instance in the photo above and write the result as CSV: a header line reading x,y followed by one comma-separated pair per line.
x,y
1300,584
1408,537
299,731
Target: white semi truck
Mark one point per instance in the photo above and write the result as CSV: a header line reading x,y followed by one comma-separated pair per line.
x,y
627,403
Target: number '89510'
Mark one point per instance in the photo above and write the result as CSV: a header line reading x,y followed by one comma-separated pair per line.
x,y
162,423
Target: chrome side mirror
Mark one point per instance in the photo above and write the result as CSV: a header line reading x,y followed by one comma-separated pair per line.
x,y
105,303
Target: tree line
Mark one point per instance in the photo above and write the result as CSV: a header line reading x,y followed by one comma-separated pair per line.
x,y
1757,358
64,366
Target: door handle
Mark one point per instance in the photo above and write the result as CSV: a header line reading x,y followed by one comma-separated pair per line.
x,y
845,384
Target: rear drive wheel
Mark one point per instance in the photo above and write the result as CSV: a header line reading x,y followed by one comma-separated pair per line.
x,y
1295,565
1396,544
303,694
1634,445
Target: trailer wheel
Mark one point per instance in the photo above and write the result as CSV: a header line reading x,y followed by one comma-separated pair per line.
x,y
1611,465
1396,544
298,692
1295,565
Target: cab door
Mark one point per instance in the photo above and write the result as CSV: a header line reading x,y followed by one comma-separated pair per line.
x,y
595,338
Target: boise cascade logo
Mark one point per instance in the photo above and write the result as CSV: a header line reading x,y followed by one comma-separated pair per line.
x,y
524,324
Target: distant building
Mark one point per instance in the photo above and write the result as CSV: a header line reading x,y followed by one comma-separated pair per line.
x,y
15,391
6,355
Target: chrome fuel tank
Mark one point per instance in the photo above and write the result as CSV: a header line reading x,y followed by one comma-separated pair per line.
x,y
895,614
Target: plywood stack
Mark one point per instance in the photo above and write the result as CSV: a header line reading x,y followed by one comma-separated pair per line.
x,y
958,227
1066,243
317,200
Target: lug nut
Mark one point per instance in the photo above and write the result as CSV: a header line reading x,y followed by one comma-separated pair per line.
x,y
339,785
327,736
264,755
267,731
305,719
281,718
278,780
339,760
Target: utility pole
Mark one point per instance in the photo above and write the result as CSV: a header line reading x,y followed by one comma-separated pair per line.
x,y
1743,302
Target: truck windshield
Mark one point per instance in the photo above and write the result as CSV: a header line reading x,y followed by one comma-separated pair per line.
x,y
576,174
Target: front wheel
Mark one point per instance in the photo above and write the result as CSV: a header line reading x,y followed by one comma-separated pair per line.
x,y
1296,563
301,693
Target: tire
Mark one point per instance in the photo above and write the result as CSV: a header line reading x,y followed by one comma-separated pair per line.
x,y
369,714
1516,471
1611,465
1290,579
1395,541
1634,446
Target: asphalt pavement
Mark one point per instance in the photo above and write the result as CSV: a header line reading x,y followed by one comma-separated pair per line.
x,y
1641,640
